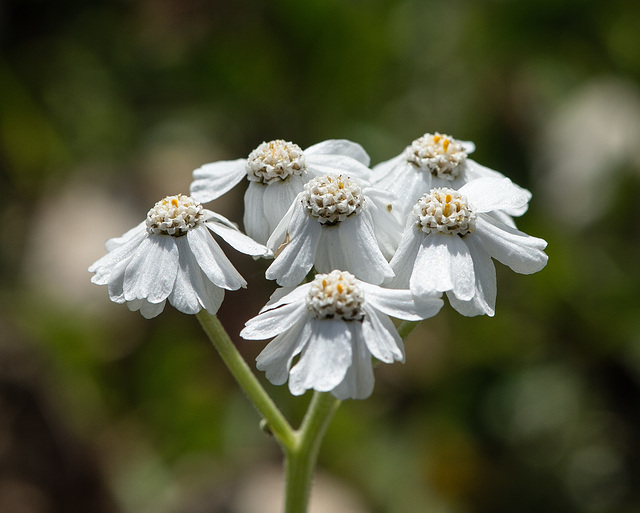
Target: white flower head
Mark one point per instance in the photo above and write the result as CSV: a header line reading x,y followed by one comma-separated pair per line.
x,y
335,324
441,155
334,223
173,257
451,237
277,171
431,161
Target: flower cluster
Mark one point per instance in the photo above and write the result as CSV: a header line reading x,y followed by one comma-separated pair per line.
x,y
382,242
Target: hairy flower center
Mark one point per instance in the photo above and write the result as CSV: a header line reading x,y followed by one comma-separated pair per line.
x,y
275,160
174,215
336,295
439,154
445,211
331,199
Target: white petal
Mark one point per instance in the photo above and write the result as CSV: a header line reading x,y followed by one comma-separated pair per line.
x,y
358,381
278,197
340,147
213,261
116,282
212,180
148,310
325,359
224,228
404,259
365,259
193,290
487,194
296,259
407,183
255,223
484,300
443,263
381,337
275,359
151,272
273,322
105,265
286,295
279,233
387,219
134,233
400,303
338,165
521,252
388,171
468,146
475,171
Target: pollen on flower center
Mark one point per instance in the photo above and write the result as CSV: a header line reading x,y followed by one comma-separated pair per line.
x,y
445,211
331,199
174,215
275,160
336,295
439,154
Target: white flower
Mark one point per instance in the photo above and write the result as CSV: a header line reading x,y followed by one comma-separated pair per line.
x,y
277,171
172,256
451,237
334,224
433,160
336,324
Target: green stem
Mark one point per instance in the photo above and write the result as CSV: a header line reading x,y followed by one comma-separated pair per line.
x,y
301,458
247,380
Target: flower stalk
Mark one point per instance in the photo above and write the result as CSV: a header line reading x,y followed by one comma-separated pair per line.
x,y
301,458
277,424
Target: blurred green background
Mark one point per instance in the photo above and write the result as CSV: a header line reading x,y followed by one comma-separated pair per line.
x,y
107,106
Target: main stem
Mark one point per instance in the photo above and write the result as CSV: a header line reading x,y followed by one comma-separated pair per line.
x,y
300,447
247,380
301,458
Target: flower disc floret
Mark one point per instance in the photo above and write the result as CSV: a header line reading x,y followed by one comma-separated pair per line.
x,y
331,199
275,161
174,215
445,211
441,155
336,295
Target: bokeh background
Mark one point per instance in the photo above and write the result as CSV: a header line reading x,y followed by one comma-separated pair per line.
x,y
107,106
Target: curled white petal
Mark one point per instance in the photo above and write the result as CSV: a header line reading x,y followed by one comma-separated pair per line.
x,y
152,270
273,322
400,303
276,358
221,226
523,253
339,147
488,194
483,301
132,234
443,264
293,263
358,381
325,359
213,180
147,309
381,337
213,261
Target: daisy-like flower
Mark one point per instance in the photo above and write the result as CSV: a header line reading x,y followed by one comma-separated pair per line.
x,y
451,237
336,323
172,256
334,223
433,160
277,171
